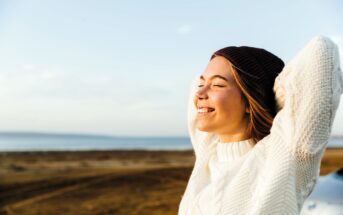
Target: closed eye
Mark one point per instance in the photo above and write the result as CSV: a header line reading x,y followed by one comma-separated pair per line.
x,y
215,85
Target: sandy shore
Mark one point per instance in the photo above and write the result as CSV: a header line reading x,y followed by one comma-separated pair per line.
x,y
102,182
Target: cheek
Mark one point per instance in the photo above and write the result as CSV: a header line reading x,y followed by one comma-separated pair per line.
x,y
227,102
221,101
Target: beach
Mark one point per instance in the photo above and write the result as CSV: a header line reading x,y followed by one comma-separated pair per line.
x,y
102,182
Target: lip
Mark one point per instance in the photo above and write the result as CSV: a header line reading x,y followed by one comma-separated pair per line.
x,y
205,113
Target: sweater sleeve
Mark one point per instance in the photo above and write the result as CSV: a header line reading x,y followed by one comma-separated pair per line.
x,y
307,93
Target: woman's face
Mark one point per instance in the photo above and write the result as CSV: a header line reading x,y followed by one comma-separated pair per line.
x,y
219,103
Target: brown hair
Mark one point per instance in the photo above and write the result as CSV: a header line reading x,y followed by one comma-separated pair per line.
x,y
260,117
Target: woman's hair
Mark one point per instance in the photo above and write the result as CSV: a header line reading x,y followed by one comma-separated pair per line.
x,y
260,116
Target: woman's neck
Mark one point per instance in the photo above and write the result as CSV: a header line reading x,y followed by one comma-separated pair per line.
x,y
224,138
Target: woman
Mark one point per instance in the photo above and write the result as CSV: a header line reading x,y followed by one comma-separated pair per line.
x,y
259,129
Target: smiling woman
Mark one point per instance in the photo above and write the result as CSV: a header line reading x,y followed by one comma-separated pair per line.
x,y
259,129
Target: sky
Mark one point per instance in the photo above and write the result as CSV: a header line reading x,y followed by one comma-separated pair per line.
x,y
124,67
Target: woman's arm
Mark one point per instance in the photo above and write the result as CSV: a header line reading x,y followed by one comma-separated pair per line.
x,y
308,92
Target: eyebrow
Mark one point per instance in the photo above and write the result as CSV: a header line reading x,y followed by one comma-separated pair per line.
x,y
215,76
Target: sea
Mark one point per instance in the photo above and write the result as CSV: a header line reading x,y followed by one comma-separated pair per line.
x,y
27,141
22,141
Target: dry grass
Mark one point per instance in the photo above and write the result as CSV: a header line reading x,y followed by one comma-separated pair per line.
x,y
113,182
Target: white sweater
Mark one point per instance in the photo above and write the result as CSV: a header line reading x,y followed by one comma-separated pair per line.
x,y
277,174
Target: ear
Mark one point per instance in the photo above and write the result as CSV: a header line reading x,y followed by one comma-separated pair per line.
x,y
247,110
246,104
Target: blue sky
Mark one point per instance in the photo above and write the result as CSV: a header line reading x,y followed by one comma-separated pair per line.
x,y
124,67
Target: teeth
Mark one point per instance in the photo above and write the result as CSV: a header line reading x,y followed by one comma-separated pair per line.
x,y
204,110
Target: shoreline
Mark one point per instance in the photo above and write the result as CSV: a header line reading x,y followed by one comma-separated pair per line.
x,y
95,150
115,149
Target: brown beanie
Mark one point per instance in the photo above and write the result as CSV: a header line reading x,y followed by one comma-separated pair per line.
x,y
257,68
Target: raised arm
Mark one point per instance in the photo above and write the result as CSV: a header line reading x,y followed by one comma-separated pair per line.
x,y
308,92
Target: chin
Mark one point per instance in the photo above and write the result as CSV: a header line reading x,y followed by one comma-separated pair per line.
x,y
204,127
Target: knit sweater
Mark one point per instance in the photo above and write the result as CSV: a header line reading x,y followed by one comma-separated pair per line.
x,y
227,157
276,175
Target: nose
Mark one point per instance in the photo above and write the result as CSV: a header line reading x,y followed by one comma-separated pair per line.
x,y
201,93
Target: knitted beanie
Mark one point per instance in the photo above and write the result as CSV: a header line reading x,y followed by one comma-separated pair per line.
x,y
258,69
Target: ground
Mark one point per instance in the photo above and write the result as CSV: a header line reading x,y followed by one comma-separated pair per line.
x,y
107,182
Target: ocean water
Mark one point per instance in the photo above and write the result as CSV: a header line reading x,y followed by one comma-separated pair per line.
x,y
71,142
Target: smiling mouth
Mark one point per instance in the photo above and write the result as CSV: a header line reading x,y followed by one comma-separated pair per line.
x,y
204,110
